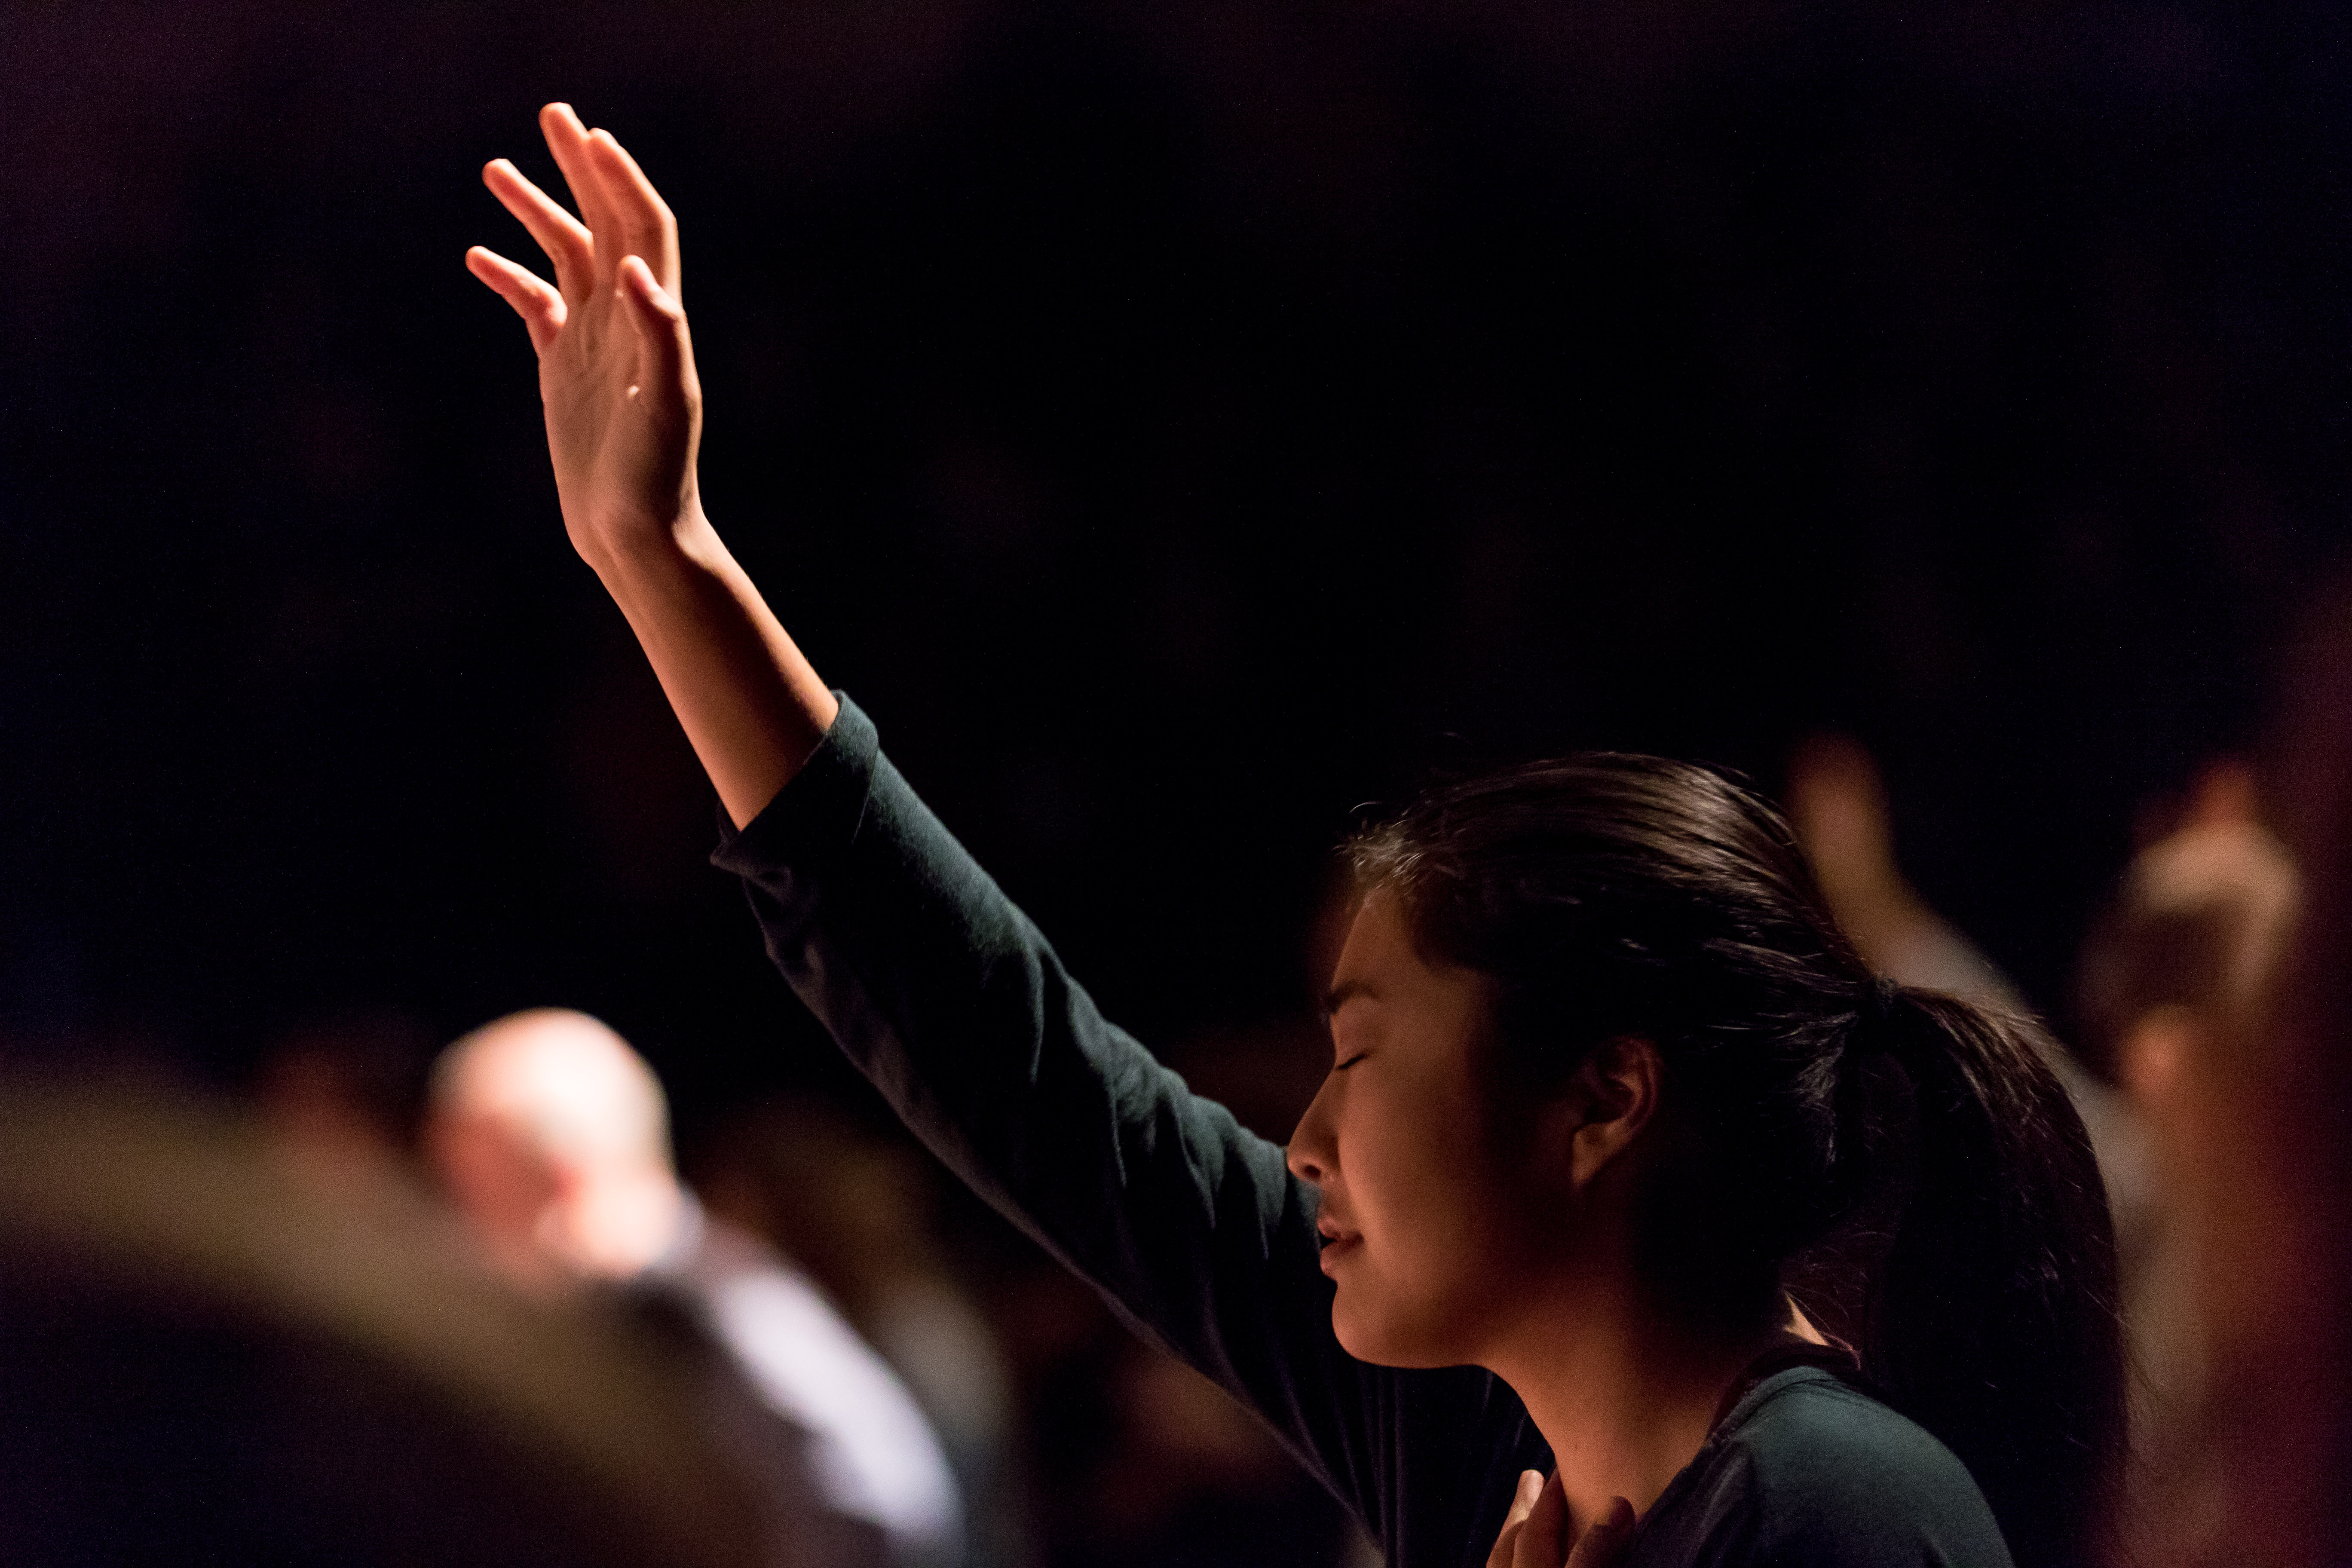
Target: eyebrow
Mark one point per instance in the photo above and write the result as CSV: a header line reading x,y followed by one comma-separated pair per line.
x,y
1345,992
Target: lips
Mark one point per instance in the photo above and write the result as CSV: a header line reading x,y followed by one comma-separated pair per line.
x,y
1337,1244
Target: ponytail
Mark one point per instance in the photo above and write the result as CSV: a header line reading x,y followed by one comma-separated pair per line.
x,y
1990,1317
1903,1164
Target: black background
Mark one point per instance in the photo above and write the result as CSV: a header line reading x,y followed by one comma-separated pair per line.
x,y
1176,424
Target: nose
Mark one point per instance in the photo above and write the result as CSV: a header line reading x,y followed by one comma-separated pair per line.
x,y
1312,1155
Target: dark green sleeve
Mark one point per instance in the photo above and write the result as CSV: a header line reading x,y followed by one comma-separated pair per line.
x,y
945,995
1809,1473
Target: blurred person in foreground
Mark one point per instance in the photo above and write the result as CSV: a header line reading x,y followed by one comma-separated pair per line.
x,y
2171,978
214,1357
551,1135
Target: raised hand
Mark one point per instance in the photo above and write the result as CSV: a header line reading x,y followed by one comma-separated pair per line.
x,y
1535,1531
615,364
623,419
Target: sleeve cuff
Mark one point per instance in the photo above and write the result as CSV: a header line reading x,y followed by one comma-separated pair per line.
x,y
818,811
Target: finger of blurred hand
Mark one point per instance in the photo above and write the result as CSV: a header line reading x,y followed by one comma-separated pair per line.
x,y
533,298
1604,1542
660,322
567,242
567,138
648,229
1523,1502
1543,1539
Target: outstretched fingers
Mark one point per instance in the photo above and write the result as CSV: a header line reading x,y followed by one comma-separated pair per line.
x,y
565,238
648,229
660,322
567,140
540,307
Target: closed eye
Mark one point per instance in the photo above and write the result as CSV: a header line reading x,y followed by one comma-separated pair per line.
x,y
1351,1061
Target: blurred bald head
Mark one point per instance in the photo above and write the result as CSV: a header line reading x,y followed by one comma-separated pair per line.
x,y
552,1137
563,1081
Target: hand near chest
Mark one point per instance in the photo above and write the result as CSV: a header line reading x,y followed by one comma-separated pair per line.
x,y
1538,1533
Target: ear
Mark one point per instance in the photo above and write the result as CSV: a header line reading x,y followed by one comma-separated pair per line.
x,y
1609,1100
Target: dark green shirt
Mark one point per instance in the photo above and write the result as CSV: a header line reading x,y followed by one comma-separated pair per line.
x,y
954,1003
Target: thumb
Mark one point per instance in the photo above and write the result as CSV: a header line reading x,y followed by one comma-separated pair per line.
x,y
1605,1539
660,323
1543,1539
1523,1502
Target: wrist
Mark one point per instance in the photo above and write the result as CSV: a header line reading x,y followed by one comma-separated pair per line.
x,y
624,543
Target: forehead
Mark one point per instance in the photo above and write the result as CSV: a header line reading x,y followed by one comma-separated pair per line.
x,y
1376,930
1379,964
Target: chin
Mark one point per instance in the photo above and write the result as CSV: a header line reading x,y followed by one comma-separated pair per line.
x,y
1386,1338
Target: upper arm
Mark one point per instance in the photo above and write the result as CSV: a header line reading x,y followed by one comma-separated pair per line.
x,y
961,1014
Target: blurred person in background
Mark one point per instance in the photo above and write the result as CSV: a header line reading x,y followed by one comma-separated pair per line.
x,y
1837,802
346,1093
855,1212
2261,1083
1154,1465
2171,977
551,1136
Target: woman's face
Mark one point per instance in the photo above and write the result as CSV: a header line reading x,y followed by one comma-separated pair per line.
x,y
1429,1237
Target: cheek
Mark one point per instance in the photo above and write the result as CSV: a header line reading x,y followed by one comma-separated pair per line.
x,y
1437,1226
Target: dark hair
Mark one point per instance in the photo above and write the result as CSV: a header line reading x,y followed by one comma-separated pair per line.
x,y
1901,1160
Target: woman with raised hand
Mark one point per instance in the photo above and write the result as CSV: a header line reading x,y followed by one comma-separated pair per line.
x,y
1607,1090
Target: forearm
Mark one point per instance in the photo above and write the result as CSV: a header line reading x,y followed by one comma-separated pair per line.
x,y
748,700
961,1014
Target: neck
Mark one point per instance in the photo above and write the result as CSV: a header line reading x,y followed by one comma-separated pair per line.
x,y
1624,1401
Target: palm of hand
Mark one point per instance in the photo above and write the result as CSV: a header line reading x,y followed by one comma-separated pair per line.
x,y
617,373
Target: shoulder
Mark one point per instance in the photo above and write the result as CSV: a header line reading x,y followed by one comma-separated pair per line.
x,y
1807,1470
1812,1442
